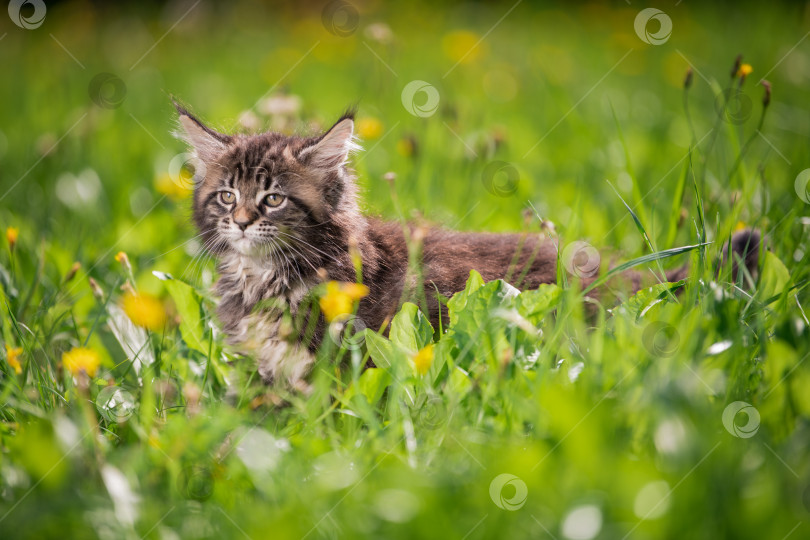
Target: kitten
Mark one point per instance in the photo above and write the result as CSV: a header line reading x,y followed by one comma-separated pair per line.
x,y
281,214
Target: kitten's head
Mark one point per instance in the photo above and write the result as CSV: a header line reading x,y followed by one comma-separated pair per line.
x,y
270,196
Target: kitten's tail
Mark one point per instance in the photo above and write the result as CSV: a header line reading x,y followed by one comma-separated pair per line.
x,y
745,247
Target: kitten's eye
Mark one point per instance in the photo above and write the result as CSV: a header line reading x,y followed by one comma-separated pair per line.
x,y
273,200
227,197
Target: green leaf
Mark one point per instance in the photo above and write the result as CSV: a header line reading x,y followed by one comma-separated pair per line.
x,y
641,260
381,350
410,329
372,384
456,304
459,382
640,303
534,304
189,307
774,278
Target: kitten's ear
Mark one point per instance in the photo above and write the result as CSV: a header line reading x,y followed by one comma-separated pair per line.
x,y
333,148
208,144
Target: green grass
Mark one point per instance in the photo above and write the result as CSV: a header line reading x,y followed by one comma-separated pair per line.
x,y
613,424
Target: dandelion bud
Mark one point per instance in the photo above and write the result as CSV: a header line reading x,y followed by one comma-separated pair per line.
x,y
72,272
766,99
192,395
418,234
527,215
735,70
548,227
390,177
97,291
682,217
744,71
687,80
128,288
12,233
122,258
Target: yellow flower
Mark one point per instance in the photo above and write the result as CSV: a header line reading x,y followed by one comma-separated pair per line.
x,y
12,233
13,358
369,128
462,46
406,147
176,188
80,360
423,359
745,70
340,298
144,310
739,226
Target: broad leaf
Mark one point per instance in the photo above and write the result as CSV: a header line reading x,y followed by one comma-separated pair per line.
x,y
372,384
410,329
640,303
189,307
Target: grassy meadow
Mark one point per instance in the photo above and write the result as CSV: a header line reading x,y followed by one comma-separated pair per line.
x,y
660,415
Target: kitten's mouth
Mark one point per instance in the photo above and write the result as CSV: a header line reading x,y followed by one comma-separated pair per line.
x,y
244,245
250,246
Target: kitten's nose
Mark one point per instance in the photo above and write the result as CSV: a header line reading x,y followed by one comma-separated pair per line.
x,y
243,217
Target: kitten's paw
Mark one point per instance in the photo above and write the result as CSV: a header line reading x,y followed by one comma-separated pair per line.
x,y
279,360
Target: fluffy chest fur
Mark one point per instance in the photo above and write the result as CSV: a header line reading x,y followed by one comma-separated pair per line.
x,y
254,296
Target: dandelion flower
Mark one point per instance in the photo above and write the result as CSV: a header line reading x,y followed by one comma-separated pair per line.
x,y
462,46
745,70
406,147
356,291
423,359
81,359
12,233
144,310
369,128
340,298
13,358
177,187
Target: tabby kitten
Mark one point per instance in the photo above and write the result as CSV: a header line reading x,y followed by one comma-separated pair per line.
x,y
281,215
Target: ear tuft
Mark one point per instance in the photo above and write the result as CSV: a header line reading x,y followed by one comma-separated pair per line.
x,y
207,143
333,148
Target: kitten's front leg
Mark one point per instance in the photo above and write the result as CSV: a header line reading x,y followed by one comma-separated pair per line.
x,y
283,360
